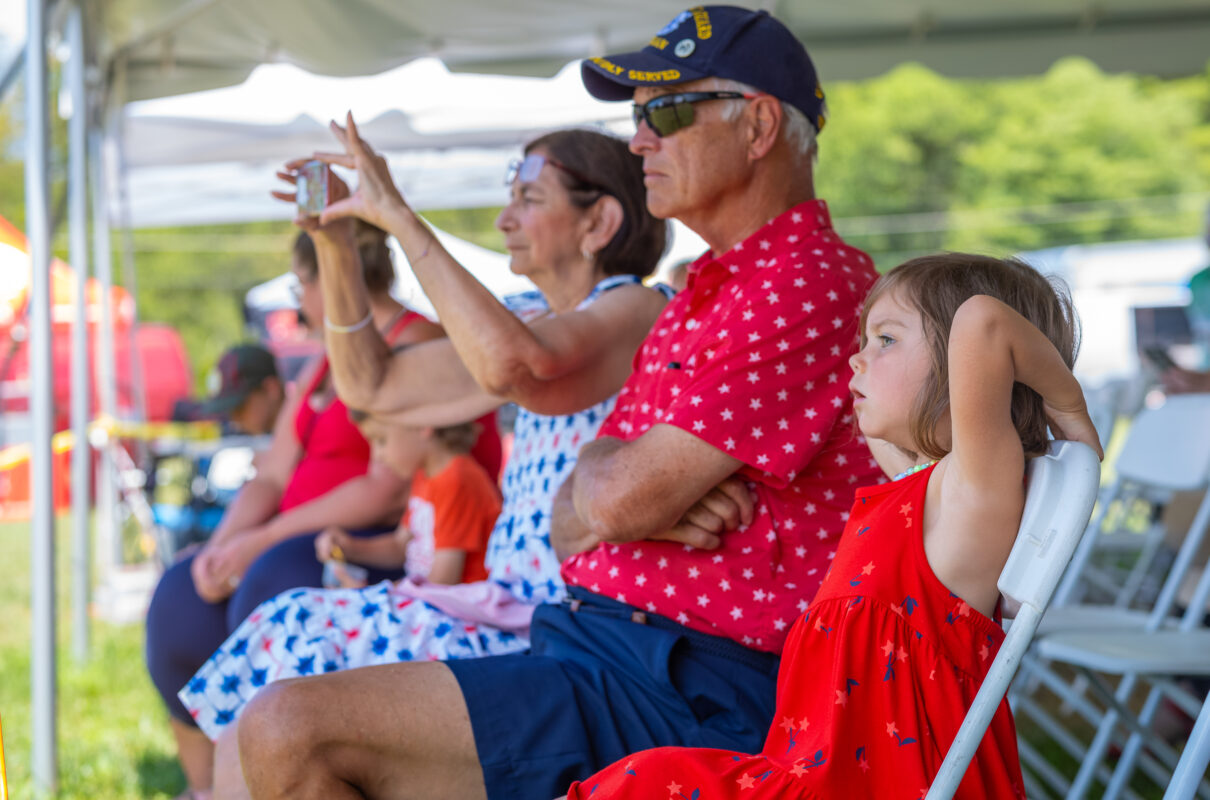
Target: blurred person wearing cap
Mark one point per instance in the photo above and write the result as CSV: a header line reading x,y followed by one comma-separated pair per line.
x,y
700,522
246,389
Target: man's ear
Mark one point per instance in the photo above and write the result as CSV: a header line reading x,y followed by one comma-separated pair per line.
x,y
765,118
605,219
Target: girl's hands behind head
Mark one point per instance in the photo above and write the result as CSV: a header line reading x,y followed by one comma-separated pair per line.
x,y
1073,424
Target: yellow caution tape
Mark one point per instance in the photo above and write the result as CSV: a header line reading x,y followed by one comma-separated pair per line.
x,y
63,441
3,771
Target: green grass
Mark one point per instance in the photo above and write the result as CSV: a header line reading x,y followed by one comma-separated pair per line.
x,y
114,740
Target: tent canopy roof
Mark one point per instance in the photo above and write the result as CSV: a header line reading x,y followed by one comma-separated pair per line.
x,y
164,47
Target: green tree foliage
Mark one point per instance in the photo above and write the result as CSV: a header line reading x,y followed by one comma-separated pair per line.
x,y
1075,136
195,279
912,162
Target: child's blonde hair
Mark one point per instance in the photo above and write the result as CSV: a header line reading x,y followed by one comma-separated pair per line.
x,y
937,285
458,438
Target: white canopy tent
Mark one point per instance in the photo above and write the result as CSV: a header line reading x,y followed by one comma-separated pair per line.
x,y
164,47
141,49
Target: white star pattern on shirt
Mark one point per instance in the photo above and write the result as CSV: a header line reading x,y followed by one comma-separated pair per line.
x,y
745,397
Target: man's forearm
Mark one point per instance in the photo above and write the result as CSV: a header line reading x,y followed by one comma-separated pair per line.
x,y
602,496
568,533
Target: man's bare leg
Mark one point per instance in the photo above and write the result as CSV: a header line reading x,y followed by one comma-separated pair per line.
x,y
392,731
196,754
228,777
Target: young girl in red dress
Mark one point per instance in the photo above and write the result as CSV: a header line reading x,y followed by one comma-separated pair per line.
x,y
964,362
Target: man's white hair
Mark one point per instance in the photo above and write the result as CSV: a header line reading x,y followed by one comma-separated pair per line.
x,y
796,129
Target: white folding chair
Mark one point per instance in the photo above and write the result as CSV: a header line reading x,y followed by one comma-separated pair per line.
x,y
1158,656
1194,759
1167,449
1062,487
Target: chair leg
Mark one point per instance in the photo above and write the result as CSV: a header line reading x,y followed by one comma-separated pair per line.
x,y
1100,743
1194,759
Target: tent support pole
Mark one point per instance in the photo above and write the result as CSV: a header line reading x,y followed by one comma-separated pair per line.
x,y
42,528
81,452
108,534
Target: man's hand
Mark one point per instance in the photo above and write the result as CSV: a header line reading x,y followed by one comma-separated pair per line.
x,y
724,508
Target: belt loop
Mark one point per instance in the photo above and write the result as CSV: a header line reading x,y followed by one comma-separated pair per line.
x,y
639,617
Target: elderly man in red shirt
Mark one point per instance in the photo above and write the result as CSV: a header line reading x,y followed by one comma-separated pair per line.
x,y
702,520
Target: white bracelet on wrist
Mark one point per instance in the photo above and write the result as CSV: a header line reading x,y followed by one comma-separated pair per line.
x,y
332,326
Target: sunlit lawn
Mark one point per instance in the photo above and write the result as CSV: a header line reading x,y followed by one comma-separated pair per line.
x,y
113,732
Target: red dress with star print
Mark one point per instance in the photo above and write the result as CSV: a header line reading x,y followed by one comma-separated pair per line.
x,y
875,680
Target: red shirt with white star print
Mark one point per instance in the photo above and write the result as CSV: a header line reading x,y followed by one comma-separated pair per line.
x,y
751,358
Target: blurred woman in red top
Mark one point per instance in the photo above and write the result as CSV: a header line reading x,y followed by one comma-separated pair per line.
x,y
316,473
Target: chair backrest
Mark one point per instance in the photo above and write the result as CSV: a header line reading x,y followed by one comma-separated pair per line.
x,y
1167,449
1169,446
1062,487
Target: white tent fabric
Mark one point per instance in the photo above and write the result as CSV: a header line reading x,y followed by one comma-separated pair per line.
x,y
162,47
209,157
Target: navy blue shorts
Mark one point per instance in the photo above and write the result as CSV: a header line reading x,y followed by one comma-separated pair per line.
x,y
603,680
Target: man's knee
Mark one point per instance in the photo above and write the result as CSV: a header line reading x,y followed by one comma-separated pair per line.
x,y
276,725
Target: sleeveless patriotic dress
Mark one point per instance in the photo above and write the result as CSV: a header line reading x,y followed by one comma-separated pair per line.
x,y
875,680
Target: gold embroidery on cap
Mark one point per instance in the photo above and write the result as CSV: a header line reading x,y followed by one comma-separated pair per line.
x,y
662,75
659,43
701,18
608,66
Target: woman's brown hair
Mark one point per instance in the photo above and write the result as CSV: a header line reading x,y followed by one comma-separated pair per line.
x,y
604,165
372,248
937,285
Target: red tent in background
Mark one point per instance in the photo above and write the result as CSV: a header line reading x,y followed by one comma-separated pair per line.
x,y
164,365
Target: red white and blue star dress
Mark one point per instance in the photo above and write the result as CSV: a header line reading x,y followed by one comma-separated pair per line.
x,y
875,680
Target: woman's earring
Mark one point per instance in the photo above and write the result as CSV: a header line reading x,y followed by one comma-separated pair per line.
x,y
589,256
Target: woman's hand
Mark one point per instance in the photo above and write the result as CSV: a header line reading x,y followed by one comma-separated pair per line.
x,y
222,566
377,198
208,587
338,191
332,543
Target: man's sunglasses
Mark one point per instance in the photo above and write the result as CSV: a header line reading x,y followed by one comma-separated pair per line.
x,y
668,113
529,168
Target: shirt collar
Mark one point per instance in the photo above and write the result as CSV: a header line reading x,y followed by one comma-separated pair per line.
x,y
803,221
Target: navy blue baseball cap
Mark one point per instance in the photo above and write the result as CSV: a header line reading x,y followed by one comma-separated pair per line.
x,y
729,42
240,371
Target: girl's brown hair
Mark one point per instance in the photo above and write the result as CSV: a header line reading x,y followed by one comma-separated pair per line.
x,y
937,285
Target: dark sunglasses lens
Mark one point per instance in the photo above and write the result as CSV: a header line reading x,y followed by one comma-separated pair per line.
x,y
670,118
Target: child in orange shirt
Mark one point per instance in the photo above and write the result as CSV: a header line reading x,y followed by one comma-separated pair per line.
x,y
451,510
